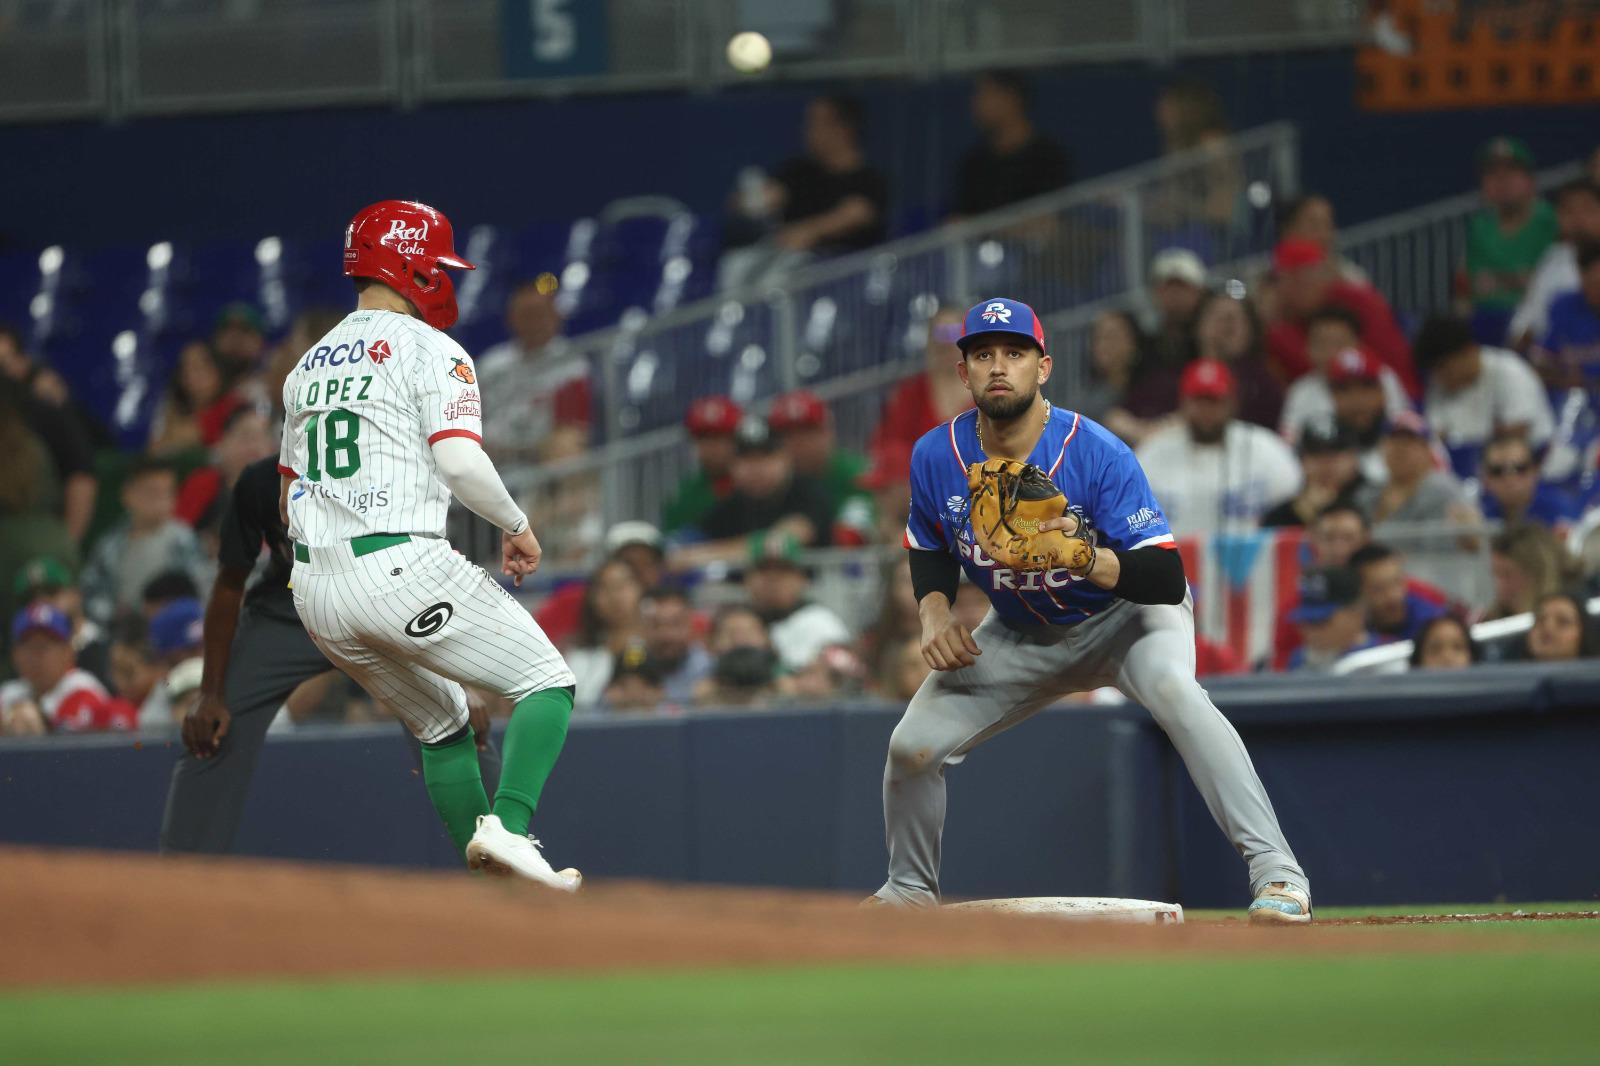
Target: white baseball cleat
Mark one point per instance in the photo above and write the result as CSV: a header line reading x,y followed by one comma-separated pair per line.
x,y
499,852
1280,903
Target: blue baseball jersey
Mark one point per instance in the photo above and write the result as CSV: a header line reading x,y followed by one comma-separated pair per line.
x,y
1087,462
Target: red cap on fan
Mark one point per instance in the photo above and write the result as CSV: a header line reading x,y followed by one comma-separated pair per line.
x,y
1354,364
1206,377
711,415
404,244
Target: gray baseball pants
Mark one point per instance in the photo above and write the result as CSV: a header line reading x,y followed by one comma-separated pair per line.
x,y
1148,653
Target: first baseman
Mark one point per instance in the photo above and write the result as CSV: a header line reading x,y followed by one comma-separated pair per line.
x,y
1118,611
384,424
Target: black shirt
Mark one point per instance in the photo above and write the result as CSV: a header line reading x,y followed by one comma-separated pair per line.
x,y
988,179
738,515
814,190
251,518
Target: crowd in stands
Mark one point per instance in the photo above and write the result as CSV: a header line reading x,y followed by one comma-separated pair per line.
x,y
1299,401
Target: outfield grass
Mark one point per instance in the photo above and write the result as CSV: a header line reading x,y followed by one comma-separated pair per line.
x,y
1524,1006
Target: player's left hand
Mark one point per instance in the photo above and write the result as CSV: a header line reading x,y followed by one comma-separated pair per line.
x,y
519,555
205,726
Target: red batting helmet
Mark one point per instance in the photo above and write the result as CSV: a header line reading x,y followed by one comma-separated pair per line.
x,y
403,244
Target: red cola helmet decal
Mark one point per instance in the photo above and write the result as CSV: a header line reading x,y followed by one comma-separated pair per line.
x,y
406,245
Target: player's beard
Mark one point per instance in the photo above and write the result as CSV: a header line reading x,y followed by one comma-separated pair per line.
x,y
1005,406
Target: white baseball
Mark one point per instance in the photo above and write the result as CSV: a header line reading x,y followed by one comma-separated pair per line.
x,y
749,52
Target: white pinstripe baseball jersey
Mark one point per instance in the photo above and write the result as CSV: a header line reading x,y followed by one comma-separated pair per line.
x,y
365,405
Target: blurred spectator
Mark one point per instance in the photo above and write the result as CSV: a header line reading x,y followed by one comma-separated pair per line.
x,y
1525,563
742,677
1512,492
46,579
533,381
40,399
166,588
1337,533
568,504
1307,283
777,585
671,643
1416,490
149,541
1561,630
309,327
638,544
805,428
1116,348
1331,618
1444,643
246,437
197,403
30,522
1330,468
1577,222
932,397
834,673
1355,380
1309,217
136,669
1229,330
901,669
887,480
1012,161
1177,288
1593,166
183,691
1393,610
635,686
1212,472
609,626
711,422
1569,354
737,625
238,341
768,499
176,633
1475,392
51,693
826,201
1506,238
49,388
1330,333
898,617
1189,116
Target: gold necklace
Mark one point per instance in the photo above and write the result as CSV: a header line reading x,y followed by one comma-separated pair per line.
x,y
979,425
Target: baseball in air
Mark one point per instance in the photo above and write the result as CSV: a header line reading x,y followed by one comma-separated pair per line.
x,y
749,52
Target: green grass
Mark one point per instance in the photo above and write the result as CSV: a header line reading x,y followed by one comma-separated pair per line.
x,y
1461,1009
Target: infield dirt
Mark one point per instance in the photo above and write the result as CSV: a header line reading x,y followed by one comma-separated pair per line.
x,y
71,917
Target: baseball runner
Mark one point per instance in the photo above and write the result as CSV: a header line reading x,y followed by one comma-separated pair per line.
x,y
256,654
1051,515
384,424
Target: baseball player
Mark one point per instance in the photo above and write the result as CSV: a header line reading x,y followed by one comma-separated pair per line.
x,y
256,653
1093,596
384,424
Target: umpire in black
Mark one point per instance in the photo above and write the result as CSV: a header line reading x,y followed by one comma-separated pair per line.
x,y
256,654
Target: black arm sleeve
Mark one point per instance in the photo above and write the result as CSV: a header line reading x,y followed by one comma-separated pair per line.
x,y
1149,575
934,571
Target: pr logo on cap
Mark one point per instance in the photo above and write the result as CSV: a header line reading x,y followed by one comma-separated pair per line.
x,y
996,312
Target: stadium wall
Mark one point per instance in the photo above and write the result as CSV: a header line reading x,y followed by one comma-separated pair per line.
x,y
294,173
1429,787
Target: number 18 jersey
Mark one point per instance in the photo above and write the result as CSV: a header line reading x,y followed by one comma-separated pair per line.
x,y
364,407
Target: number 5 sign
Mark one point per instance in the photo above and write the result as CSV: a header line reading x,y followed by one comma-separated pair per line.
x,y
553,38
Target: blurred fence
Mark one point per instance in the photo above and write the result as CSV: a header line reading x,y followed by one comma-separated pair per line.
x,y
852,327
112,57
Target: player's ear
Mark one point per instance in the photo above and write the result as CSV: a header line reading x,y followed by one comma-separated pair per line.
x,y
961,369
1044,368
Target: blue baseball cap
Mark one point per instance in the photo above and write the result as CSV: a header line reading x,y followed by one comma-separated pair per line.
x,y
1323,592
42,618
1001,315
178,626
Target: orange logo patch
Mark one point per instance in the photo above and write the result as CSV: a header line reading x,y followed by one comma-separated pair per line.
x,y
461,371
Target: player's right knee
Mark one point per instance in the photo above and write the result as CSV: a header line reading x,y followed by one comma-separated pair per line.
x,y
909,754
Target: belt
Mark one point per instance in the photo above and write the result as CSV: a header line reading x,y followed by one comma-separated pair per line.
x,y
359,546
